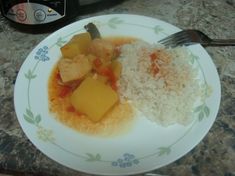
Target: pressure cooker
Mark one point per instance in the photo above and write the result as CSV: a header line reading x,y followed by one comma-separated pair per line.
x,y
38,15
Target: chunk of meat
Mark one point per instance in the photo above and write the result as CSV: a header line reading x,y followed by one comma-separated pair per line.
x,y
102,49
73,69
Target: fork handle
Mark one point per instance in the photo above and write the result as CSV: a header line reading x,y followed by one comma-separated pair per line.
x,y
221,42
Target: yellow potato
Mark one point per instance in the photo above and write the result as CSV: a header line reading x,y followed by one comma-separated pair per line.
x,y
77,45
82,37
70,50
93,98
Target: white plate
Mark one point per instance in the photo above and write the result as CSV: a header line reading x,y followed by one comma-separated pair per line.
x,y
147,146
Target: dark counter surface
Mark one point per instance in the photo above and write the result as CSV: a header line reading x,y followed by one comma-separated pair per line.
x,y
214,155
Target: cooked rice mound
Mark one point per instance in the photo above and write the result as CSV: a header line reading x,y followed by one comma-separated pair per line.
x,y
163,89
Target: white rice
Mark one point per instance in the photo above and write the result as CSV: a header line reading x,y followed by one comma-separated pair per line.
x,y
169,96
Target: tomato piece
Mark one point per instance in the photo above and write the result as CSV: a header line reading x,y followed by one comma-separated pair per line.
x,y
79,113
70,109
154,65
108,72
114,85
57,76
97,62
65,90
155,71
112,77
153,57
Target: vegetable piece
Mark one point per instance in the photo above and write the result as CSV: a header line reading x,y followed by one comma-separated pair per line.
x,y
93,98
108,72
73,69
153,57
70,50
92,29
102,49
70,109
117,68
97,63
77,45
65,91
154,65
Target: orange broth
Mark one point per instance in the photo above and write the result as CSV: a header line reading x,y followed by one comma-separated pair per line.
x,y
116,121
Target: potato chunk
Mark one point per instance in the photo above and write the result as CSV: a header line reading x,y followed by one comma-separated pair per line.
x,y
93,98
77,45
73,69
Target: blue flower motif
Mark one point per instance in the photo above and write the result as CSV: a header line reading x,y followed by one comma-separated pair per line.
x,y
122,165
128,160
41,54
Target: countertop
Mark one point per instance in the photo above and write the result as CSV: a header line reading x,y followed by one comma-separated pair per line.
x,y
214,155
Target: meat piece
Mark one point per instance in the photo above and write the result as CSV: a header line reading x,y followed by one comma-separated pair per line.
x,y
102,49
73,69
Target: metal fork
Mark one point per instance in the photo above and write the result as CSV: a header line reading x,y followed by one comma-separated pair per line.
x,y
190,37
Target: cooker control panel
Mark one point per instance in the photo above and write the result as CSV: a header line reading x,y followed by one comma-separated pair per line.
x,y
34,11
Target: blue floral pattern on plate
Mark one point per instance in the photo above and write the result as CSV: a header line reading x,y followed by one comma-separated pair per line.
x,y
42,53
128,160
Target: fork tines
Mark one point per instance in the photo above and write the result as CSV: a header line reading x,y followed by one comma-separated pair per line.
x,y
177,39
